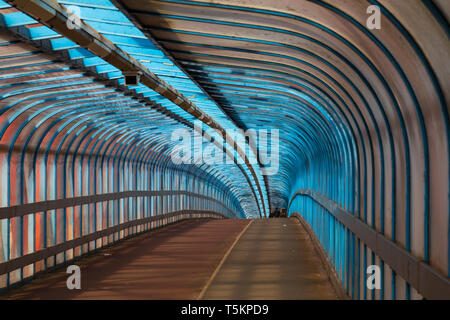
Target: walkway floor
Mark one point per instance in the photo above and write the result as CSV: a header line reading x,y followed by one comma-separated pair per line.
x,y
171,263
273,259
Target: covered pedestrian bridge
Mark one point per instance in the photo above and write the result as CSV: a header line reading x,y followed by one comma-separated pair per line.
x,y
148,142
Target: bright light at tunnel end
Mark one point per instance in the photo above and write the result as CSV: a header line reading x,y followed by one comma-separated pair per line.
x,y
262,147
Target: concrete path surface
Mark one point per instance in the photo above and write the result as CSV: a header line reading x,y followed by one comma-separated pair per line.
x,y
174,262
274,259
208,259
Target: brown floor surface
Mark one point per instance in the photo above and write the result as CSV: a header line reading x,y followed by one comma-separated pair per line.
x,y
172,263
273,259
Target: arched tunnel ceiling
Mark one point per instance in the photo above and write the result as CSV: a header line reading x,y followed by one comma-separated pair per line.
x,y
81,95
66,107
362,114
313,70
308,68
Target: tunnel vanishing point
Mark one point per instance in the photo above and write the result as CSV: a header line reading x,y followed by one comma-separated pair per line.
x,y
226,149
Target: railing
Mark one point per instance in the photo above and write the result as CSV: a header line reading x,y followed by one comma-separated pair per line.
x,y
427,281
213,208
24,209
165,219
332,275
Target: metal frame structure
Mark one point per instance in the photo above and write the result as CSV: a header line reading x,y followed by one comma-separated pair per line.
x,y
363,114
363,120
81,155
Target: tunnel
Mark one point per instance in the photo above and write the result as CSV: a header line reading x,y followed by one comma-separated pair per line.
x,y
226,149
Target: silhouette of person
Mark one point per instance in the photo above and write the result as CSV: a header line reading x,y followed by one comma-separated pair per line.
x,y
277,213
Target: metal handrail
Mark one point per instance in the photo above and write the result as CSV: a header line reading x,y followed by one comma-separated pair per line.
x,y
27,208
25,260
426,280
